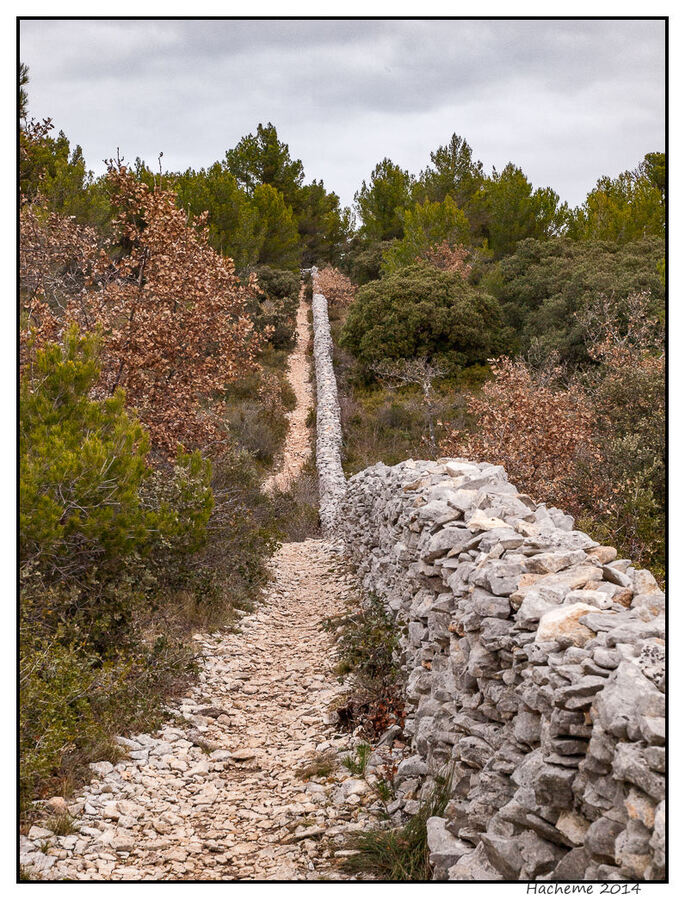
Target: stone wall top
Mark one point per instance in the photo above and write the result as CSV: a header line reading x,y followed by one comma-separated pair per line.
x,y
328,429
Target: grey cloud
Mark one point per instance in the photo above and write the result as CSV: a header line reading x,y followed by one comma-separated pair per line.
x,y
566,100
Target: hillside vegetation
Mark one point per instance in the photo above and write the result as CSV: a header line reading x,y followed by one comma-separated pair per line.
x,y
484,318
156,317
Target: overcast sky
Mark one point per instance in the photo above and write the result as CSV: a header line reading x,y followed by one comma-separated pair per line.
x,y
567,101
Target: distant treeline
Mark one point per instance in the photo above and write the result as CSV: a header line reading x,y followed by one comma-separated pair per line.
x,y
260,211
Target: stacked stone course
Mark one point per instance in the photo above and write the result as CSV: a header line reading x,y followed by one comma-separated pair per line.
x,y
328,430
534,666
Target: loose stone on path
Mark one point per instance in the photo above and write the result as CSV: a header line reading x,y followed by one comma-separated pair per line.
x,y
176,809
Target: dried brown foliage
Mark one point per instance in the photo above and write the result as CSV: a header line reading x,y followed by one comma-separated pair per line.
x,y
172,313
56,260
31,135
629,336
373,715
449,258
541,434
336,287
593,444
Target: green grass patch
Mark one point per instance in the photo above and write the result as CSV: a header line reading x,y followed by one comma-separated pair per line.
x,y
357,764
400,854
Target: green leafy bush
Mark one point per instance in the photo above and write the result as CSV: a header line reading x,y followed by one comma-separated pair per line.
x,y
93,515
278,309
82,462
364,259
279,284
422,311
544,283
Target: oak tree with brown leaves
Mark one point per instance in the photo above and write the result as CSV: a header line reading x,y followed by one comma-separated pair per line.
x,y
336,288
592,442
56,260
172,313
449,257
540,433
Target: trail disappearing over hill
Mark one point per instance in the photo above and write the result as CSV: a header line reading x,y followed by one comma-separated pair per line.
x,y
297,448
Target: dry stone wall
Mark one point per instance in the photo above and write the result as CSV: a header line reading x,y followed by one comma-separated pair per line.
x,y
533,661
328,430
534,665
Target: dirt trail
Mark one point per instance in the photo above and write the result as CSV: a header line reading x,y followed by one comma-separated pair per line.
x,y
298,446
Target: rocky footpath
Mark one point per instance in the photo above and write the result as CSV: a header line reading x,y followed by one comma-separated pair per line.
x,y
328,429
534,665
297,448
246,781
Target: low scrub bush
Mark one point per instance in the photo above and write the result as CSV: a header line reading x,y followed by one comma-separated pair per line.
x,y
421,311
390,419
367,648
367,644
364,259
296,510
382,423
75,696
276,312
255,410
257,429
118,562
242,534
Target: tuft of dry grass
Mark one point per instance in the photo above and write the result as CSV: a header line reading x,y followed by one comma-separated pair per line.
x,y
319,766
61,824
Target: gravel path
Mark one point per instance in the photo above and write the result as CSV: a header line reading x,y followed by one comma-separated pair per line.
x,y
298,445
219,793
